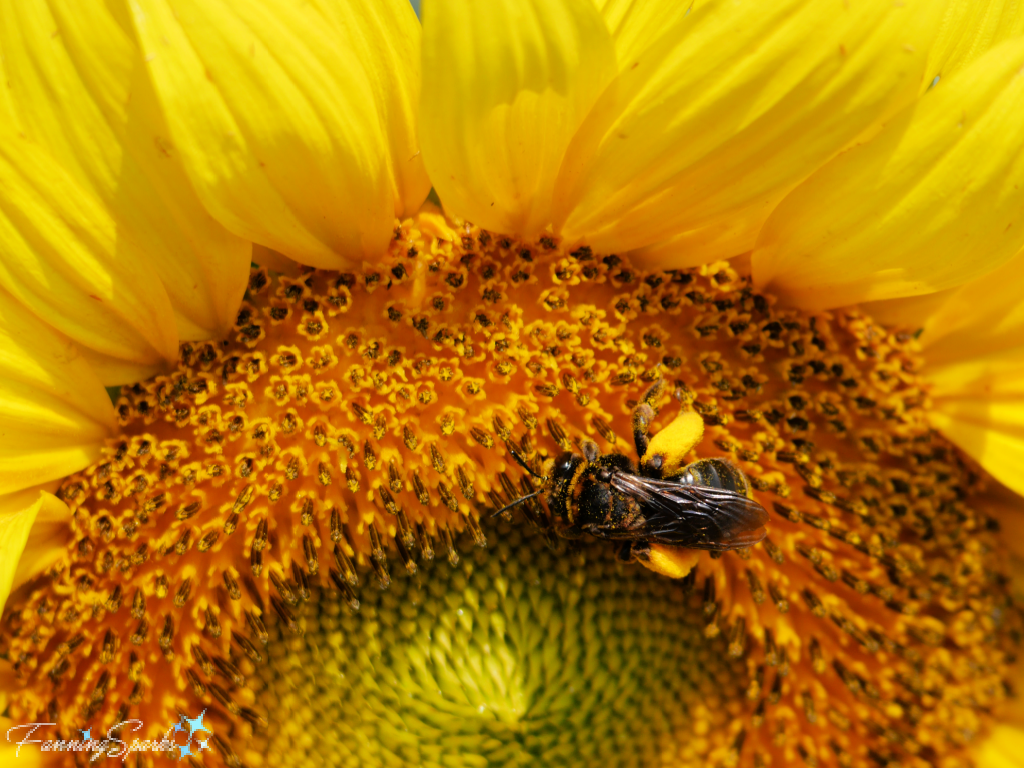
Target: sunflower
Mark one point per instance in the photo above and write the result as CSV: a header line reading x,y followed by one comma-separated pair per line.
x,y
259,394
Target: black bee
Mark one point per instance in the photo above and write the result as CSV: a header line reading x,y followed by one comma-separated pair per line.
x,y
657,506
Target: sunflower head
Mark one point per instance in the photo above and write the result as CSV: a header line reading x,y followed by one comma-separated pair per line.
x,y
658,219
294,521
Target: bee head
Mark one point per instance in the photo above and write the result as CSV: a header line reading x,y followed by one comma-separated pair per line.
x,y
564,475
565,465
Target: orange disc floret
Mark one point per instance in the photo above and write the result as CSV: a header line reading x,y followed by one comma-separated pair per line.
x,y
352,429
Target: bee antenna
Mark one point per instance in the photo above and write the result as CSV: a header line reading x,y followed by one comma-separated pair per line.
x,y
517,502
521,461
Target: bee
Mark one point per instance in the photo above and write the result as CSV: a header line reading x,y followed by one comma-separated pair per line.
x,y
662,509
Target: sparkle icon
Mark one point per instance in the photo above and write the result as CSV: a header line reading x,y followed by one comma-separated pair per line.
x,y
195,725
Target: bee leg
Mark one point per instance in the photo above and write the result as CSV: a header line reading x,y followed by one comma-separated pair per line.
x,y
654,392
625,553
520,460
643,413
571,533
674,562
642,416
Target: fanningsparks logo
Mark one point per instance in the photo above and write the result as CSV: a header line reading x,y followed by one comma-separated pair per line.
x,y
114,744
194,726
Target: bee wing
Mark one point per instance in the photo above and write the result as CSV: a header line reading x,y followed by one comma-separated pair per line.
x,y
694,516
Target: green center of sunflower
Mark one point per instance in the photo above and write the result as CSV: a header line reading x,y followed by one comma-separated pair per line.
x,y
518,655
292,534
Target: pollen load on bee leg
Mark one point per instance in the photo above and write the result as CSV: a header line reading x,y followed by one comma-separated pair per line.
x,y
674,562
666,450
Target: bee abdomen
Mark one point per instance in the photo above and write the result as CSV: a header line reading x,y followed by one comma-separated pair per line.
x,y
716,473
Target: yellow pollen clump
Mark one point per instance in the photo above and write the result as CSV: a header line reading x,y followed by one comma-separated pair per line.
x,y
231,548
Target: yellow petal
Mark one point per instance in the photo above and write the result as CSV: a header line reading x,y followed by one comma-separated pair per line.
x,y
33,536
973,340
907,312
635,26
1003,747
48,539
114,372
934,200
12,752
62,257
385,36
988,426
981,380
506,85
279,123
73,94
274,261
975,367
730,107
54,412
980,323
203,266
969,29
19,513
